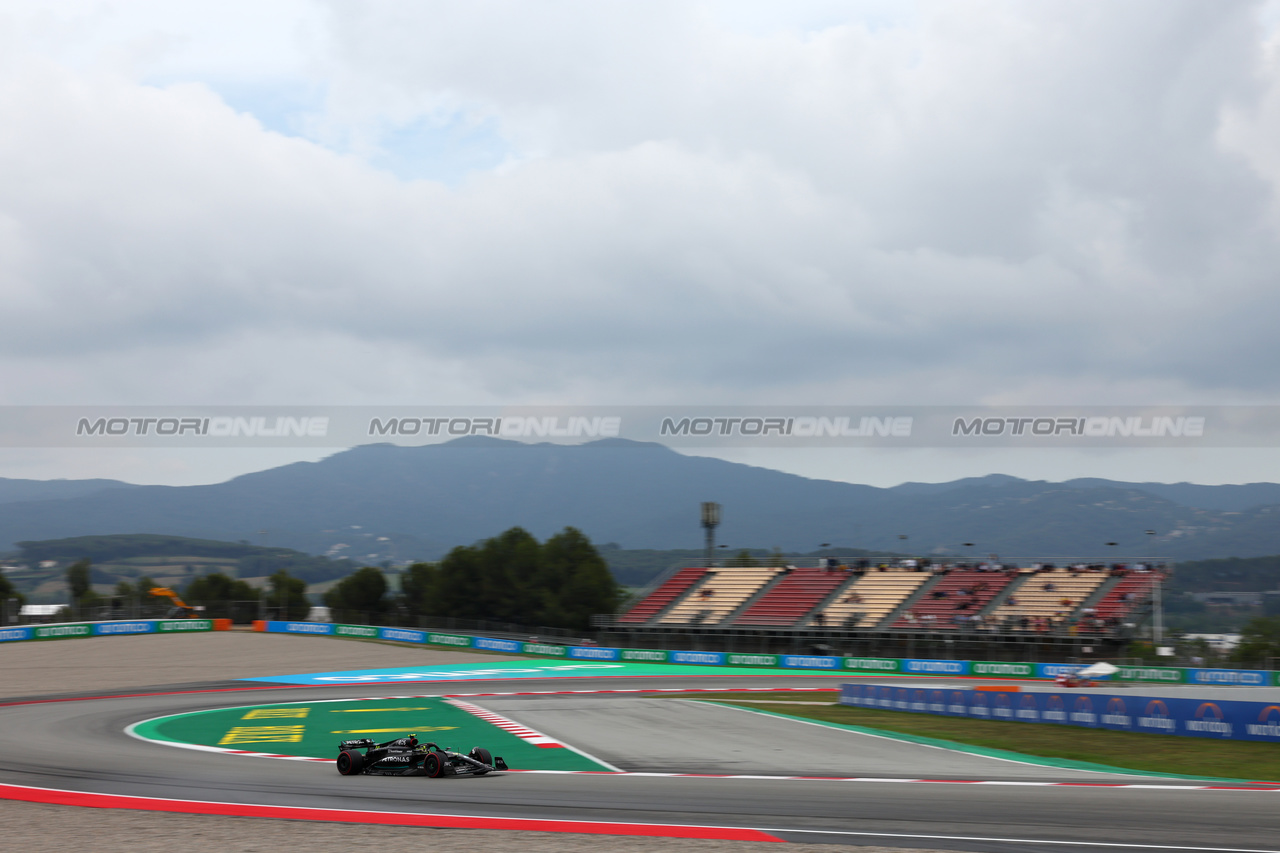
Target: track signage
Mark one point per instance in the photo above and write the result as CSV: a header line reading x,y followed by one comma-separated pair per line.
x,y
1229,720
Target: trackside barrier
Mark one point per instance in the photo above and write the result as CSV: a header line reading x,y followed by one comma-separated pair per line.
x,y
935,667
752,660
1223,720
851,665
876,665
1247,677
72,630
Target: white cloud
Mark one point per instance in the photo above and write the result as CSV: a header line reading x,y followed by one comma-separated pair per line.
x,y
937,203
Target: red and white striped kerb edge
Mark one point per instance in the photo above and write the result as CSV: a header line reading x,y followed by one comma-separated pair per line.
x,y
524,733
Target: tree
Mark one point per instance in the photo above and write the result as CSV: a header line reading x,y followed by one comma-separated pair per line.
x,y
288,595
78,574
513,578
574,581
1259,640
8,591
420,585
218,593
361,592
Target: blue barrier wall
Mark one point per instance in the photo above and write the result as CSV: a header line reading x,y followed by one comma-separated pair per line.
x,y
709,658
1154,715
402,635
936,667
811,661
1243,677
594,653
497,645
299,627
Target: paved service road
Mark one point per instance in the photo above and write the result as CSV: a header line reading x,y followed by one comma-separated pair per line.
x,y
81,745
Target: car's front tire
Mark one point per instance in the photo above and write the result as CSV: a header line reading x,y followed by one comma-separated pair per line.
x,y
482,755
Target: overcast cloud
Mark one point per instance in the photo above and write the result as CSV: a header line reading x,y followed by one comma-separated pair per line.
x,y
607,203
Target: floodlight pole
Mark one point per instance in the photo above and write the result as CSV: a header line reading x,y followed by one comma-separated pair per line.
x,y
1157,616
710,519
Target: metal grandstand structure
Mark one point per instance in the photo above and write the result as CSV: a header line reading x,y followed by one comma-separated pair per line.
x,y
1028,611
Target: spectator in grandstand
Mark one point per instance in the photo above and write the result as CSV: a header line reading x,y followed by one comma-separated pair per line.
x,y
1049,586
819,618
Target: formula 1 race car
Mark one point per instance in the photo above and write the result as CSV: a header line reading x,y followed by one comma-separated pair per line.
x,y
406,757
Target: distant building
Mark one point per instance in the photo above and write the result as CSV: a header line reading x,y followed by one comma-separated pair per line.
x,y
1229,599
42,612
1218,642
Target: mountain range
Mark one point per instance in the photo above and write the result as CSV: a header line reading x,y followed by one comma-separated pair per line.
x,y
383,502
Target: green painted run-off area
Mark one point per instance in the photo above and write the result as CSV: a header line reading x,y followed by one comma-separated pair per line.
x,y
314,729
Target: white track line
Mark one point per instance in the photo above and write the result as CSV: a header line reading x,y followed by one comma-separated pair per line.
x,y
525,733
1109,844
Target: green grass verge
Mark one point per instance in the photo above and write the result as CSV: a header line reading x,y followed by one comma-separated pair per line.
x,y
1149,753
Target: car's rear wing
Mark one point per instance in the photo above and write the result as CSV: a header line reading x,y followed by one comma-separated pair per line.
x,y
355,744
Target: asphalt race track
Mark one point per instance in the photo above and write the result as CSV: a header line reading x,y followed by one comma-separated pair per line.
x,y
81,746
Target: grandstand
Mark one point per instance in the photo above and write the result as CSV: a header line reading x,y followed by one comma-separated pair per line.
x,y
1133,590
667,592
863,611
1048,594
799,591
870,599
961,592
723,592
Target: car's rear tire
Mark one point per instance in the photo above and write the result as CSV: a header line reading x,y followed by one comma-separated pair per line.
x,y
482,755
350,762
433,765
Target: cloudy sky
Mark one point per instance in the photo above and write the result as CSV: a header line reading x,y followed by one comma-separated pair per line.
x,y
608,203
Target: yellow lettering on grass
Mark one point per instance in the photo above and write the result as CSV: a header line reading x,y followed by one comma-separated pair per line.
x,y
276,713
372,710
401,729
262,734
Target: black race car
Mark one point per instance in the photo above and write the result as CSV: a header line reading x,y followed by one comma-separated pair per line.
x,y
404,756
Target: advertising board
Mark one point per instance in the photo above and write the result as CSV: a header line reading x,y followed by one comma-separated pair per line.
x,y
1230,720
704,658
935,667
402,635
594,653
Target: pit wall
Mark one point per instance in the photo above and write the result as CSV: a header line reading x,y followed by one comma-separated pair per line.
x,y
73,630
852,665
1221,720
